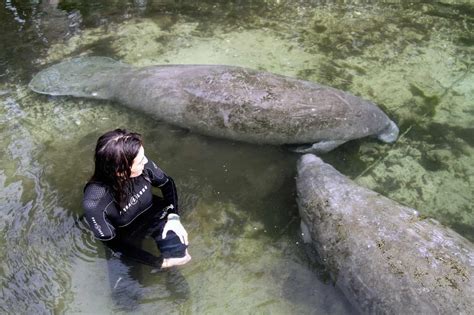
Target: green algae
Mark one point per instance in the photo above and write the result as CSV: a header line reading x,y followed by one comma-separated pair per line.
x,y
430,102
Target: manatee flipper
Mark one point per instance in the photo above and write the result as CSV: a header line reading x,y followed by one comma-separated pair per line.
x,y
319,147
81,77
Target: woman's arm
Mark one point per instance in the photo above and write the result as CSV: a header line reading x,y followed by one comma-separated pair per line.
x,y
170,195
139,255
159,179
128,250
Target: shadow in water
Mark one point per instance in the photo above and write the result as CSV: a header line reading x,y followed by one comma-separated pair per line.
x,y
312,282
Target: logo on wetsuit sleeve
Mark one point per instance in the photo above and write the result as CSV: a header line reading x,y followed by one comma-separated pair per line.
x,y
97,226
134,199
158,172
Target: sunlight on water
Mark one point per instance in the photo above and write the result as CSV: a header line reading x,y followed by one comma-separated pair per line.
x,y
238,200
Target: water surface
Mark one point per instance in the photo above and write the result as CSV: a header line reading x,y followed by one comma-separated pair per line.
x,y
238,200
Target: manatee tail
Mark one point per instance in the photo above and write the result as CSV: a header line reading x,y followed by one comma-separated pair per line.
x,y
82,77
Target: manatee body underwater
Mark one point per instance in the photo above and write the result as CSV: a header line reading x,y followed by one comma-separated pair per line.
x,y
225,101
383,256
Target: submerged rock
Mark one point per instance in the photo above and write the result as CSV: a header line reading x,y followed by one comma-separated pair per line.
x,y
383,255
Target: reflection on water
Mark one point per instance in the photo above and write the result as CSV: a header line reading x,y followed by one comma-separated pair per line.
x,y
35,226
238,200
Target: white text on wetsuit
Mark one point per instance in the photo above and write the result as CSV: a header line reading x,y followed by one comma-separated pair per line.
x,y
134,198
97,227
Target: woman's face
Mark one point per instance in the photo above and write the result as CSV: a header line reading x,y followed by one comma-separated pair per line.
x,y
138,163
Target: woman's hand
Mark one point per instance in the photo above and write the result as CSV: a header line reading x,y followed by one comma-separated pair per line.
x,y
173,224
170,262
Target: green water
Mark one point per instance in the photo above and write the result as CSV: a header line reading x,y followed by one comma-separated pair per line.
x,y
238,201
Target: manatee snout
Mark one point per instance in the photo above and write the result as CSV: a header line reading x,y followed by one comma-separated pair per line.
x,y
389,134
309,158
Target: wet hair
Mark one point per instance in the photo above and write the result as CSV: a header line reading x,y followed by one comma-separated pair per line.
x,y
114,155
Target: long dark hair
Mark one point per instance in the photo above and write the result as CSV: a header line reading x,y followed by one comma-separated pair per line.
x,y
114,155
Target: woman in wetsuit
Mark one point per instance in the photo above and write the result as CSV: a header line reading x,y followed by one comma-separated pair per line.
x,y
120,208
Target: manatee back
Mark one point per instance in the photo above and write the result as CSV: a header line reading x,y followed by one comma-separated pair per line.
x,y
80,77
276,109
385,257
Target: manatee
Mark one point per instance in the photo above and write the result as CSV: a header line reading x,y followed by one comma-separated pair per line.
x,y
383,255
225,101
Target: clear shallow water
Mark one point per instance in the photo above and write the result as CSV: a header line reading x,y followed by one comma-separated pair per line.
x,y
238,200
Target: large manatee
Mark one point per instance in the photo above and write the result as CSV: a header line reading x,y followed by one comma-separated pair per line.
x,y
225,101
383,255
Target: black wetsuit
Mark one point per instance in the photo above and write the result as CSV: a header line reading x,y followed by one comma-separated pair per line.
x,y
143,214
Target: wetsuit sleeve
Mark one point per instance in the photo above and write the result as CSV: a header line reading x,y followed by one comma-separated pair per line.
x,y
96,199
159,179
